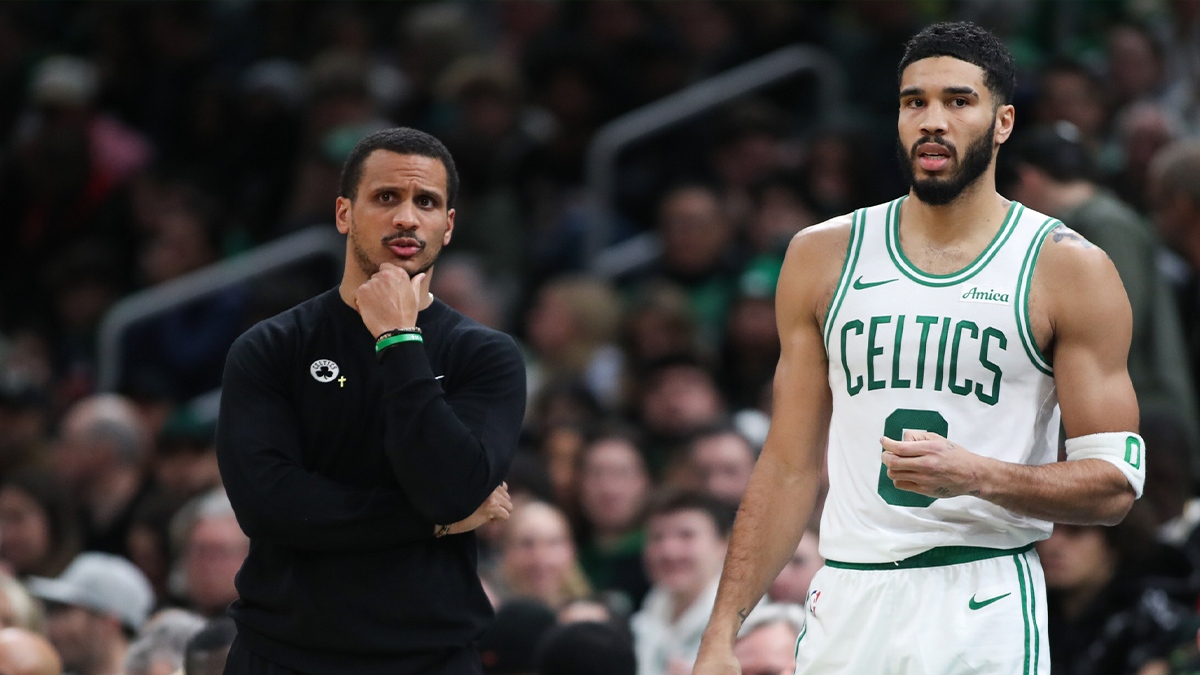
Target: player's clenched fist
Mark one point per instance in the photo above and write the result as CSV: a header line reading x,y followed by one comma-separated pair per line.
x,y
389,299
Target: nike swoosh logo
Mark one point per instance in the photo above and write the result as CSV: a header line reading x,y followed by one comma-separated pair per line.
x,y
438,377
980,605
860,285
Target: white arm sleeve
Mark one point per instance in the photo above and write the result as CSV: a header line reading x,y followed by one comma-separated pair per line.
x,y
1124,450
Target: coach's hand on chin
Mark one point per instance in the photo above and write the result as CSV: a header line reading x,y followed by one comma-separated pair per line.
x,y
390,299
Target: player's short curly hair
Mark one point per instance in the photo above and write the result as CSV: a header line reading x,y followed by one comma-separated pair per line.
x,y
968,42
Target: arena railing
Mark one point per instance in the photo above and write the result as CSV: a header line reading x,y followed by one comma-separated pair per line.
x,y
313,243
636,126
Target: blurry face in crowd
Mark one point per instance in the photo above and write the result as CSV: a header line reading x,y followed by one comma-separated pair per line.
x,y
179,245
695,232
561,446
948,127
793,581
80,636
613,485
684,552
399,214
551,324
187,471
1134,68
75,458
768,650
24,531
215,552
681,399
1077,558
1072,97
538,552
721,466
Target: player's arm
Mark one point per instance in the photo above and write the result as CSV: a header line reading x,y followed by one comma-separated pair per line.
x,y
783,488
274,497
1090,322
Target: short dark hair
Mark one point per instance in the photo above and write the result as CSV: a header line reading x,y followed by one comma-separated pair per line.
x,y
670,503
402,141
968,42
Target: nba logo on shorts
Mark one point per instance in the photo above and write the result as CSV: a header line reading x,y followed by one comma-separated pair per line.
x,y
813,596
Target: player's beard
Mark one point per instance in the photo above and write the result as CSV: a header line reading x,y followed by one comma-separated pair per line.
x,y
369,266
942,191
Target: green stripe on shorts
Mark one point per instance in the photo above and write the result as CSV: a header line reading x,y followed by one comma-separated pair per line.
x,y
934,557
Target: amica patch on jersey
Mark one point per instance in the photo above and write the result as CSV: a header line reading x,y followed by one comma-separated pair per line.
x,y
991,296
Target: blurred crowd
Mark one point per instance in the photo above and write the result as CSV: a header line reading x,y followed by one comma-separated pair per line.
x,y
143,141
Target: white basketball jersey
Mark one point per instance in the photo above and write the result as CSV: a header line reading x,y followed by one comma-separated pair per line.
x,y
953,354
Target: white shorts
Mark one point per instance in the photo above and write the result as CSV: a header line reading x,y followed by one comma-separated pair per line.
x,y
928,615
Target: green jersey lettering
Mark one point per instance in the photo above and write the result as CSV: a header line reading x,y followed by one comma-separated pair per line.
x,y
992,397
964,388
926,322
857,327
898,383
873,351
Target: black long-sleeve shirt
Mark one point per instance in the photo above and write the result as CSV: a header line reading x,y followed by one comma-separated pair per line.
x,y
339,465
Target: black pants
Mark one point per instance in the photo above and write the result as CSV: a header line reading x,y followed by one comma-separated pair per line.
x,y
244,662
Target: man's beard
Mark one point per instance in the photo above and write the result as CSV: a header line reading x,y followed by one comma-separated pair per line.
x,y
942,191
370,267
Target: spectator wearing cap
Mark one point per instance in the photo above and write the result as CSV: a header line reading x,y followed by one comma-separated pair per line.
x,y
586,648
687,534
213,548
1052,173
766,643
101,451
26,653
93,610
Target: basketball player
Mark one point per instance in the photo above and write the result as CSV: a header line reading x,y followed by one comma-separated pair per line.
x,y
930,343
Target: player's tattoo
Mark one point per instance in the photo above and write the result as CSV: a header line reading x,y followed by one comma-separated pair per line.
x,y
743,613
942,492
1063,232
974,493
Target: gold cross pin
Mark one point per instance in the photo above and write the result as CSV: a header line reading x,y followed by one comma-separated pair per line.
x,y
342,381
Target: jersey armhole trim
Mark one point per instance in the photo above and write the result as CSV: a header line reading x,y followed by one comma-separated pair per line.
x,y
853,247
1024,284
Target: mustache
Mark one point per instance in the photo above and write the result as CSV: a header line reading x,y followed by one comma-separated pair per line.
x,y
940,140
392,238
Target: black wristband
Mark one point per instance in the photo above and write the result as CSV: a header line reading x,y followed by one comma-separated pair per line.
x,y
397,331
